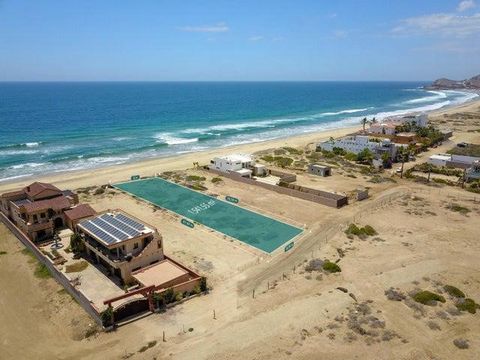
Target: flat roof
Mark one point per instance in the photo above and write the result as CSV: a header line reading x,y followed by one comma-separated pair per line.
x,y
441,157
158,274
113,228
237,157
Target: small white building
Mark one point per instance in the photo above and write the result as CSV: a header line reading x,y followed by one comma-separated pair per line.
x,y
319,170
439,159
241,164
358,143
420,120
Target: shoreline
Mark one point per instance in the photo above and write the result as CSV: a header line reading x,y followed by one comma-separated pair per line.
x,y
147,167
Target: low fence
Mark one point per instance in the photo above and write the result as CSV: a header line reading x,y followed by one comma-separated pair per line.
x,y
317,196
57,275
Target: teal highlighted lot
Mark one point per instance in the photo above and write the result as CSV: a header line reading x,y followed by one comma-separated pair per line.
x,y
254,229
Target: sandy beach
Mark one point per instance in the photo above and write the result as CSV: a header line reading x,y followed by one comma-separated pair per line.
x,y
112,174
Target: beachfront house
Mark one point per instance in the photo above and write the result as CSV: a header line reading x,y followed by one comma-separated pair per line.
x,y
240,164
38,209
121,243
357,143
384,128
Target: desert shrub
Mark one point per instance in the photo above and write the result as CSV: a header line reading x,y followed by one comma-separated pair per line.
x,y
331,267
216,180
314,265
453,291
367,230
339,151
458,208
203,284
467,305
433,325
106,316
198,187
268,158
42,272
426,297
195,178
394,295
353,230
77,267
350,156
293,151
283,161
3,253
279,152
148,346
99,191
461,343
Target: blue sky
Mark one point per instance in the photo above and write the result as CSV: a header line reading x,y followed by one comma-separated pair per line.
x,y
238,40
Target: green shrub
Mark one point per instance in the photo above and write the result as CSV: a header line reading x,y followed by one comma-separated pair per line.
x,y
368,230
458,208
169,295
3,252
216,180
107,316
350,156
426,297
467,305
195,178
293,151
283,161
268,158
76,243
203,284
42,272
198,187
331,267
99,191
453,291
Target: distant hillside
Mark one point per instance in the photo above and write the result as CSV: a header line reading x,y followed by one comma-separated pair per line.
x,y
472,83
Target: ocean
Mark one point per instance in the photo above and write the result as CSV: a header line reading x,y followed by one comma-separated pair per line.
x,y
55,127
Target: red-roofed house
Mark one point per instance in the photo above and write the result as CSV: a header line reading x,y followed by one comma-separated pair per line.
x,y
38,209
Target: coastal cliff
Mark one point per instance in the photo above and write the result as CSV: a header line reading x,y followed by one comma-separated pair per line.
x,y
447,84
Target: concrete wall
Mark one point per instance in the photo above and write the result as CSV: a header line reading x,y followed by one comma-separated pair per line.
x,y
58,276
317,196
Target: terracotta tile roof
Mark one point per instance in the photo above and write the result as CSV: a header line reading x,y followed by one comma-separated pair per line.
x,y
80,212
37,187
57,203
12,193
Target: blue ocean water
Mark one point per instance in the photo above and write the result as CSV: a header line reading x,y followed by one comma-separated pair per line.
x,y
53,127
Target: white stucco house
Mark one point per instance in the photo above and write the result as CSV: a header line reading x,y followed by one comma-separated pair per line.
x,y
241,164
358,143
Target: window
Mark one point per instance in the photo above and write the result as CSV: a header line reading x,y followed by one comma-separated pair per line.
x,y
135,246
35,218
42,215
159,243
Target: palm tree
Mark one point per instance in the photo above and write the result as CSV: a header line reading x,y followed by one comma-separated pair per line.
x,y
373,121
364,122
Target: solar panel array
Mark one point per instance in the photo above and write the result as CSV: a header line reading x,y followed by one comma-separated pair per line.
x,y
113,228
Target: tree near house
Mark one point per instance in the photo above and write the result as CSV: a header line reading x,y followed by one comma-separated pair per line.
x,y
364,122
365,156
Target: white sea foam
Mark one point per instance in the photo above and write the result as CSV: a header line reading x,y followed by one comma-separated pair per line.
x,y
14,177
438,95
27,165
169,139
